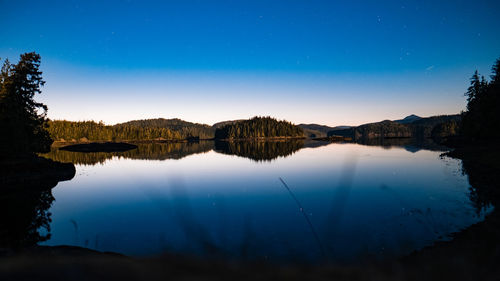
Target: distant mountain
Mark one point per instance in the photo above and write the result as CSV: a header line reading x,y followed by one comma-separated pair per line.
x,y
436,127
318,131
408,119
384,129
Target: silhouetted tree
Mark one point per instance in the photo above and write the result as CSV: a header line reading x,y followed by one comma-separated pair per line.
x,y
480,120
495,76
23,121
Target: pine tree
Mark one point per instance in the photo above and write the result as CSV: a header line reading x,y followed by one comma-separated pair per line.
x,y
481,119
23,121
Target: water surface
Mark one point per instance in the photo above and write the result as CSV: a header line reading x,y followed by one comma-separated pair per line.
x,y
343,202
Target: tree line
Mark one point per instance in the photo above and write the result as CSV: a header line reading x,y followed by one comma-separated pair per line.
x,y
259,127
149,129
62,130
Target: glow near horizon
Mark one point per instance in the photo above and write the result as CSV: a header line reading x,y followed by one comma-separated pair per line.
x,y
315,62
210,97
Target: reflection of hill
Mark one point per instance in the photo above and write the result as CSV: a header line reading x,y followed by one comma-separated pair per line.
x,y
259,150
308,143
410,144
149,151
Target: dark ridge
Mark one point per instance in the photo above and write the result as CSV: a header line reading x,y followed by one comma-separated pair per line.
x,y
437,127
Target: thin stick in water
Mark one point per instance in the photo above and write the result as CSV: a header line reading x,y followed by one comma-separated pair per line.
x,y
320,245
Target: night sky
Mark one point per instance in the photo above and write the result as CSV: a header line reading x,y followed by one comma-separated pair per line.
x,y
328,62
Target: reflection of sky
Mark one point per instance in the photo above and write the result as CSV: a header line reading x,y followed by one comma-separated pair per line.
x,y
399,201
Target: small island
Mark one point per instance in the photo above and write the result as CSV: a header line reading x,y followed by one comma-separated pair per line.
x,y
259,128
100,147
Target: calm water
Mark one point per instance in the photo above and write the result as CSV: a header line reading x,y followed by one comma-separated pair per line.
x,y
357,201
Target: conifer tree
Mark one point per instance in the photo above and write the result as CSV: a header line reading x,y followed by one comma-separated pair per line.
x,y
23,121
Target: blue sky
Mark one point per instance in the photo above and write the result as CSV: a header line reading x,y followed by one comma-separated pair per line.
x,y
329,62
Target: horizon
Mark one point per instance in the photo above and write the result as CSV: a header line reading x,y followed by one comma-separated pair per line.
x,y
317,62
212,124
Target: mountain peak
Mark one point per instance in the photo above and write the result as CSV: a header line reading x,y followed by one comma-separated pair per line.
x,y
412,116
408,119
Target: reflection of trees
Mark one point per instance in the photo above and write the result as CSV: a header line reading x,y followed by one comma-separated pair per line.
x,y
26,198
482,168
410,144
259,150
24,218
256,150
148,151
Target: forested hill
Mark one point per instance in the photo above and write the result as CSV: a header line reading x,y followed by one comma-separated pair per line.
x,y
184,128
435,126
259,128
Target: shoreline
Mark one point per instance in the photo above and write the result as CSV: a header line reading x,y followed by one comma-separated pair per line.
x,y
33,170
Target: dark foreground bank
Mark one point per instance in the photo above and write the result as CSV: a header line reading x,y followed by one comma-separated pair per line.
x,y
444,262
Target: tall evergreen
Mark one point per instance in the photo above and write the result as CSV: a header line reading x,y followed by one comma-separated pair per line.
x,y
481,119
23,121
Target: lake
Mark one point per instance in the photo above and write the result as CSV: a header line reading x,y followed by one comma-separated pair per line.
x,y
278,201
